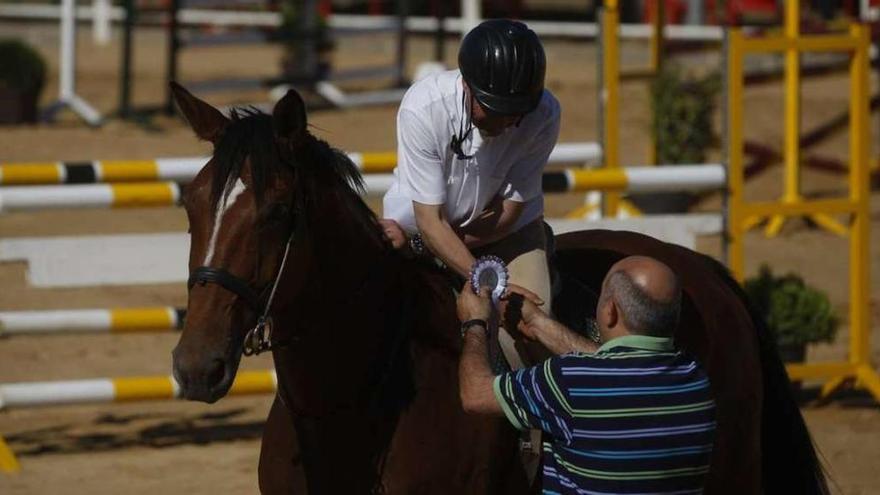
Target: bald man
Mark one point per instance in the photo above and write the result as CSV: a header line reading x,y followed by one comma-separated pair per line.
x,y
632,415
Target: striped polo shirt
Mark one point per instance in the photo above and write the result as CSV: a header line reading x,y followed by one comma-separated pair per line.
x,y
635,417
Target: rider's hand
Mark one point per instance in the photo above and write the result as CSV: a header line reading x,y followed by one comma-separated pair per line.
x,y
526,293
474,306
393,232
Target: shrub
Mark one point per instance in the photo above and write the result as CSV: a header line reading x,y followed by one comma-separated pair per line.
x,y
21,67
682,110
795,313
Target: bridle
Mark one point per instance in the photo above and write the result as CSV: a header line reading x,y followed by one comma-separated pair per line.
x,y
259,338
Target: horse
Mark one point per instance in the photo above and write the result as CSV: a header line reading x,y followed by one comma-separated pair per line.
x,y
285,255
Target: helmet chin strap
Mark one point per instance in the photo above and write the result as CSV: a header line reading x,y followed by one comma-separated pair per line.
x,y
465,120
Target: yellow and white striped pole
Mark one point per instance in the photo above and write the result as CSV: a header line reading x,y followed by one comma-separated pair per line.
x,y
100,390
123,320
89,196
100,171
637,179
183,170
613,179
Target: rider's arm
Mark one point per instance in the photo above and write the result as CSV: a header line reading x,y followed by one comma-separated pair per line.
x,y
421,169
441,239
494,224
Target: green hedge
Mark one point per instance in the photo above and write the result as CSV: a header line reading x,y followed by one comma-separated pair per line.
x,y
21,67
682,110
795,313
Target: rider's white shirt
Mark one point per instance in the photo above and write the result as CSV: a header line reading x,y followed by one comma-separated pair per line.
x,y
428,171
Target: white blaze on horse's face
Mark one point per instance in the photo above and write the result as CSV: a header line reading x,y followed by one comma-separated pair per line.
x,y
223,205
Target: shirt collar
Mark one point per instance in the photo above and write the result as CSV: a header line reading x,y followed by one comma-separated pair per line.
x,y
658,344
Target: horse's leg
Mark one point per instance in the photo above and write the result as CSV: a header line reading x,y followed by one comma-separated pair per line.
x,y
281,470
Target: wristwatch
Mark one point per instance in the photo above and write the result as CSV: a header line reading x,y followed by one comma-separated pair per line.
x,y
417,245
474,322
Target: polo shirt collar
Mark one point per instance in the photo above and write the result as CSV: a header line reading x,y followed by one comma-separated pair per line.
x,y
658,344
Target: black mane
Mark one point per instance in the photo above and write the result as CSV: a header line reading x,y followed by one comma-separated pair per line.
x,y
319,168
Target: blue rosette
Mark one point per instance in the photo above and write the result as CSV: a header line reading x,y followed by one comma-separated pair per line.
x,y
491,272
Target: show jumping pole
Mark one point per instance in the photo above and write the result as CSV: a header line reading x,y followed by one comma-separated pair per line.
x,y
67,321
698,177
100,390
184,169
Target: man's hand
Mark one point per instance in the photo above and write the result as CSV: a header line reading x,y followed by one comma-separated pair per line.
x,y
474,306
528,316
393,232
522,291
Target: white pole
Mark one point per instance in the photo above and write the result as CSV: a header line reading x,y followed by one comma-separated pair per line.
x,y
101,22
67,97
471,15
67,50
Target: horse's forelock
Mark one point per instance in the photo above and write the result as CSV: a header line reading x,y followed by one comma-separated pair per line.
x,y
247,139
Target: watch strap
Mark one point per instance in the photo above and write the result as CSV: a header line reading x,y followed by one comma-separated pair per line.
x,y
470,323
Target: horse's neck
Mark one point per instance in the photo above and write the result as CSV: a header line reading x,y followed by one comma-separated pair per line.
x,y
345,248
394,331
412,395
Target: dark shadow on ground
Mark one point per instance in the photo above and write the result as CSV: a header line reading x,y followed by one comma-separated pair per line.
x,y
115,432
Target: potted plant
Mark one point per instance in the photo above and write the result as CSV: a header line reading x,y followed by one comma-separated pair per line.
x,y
22,76
795,313
681,124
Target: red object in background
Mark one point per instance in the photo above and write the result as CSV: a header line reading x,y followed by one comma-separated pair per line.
x,y
675,11
739,9
325,8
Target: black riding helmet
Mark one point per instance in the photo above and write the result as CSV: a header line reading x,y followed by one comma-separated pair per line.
x,y
503,64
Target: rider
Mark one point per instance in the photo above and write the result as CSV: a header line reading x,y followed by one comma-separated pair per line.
x,y
472,146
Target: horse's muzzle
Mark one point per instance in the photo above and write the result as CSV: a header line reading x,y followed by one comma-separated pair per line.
x,y
205,379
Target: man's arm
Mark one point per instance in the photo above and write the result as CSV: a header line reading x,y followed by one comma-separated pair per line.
x,y
555,336
475,377
441,239
444,243
559,339
494,224
507,395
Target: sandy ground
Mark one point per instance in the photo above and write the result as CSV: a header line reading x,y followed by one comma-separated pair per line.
x,y
192,448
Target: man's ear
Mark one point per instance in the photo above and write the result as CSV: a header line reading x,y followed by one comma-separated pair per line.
x,y
206,121
289,116
607,312
613,313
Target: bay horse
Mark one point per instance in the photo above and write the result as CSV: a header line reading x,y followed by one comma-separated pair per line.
x,y
365,342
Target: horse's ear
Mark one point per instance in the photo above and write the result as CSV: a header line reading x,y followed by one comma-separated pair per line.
x,y
289,116
206,121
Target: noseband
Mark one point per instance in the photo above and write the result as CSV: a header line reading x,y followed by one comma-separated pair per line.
x,y
259,338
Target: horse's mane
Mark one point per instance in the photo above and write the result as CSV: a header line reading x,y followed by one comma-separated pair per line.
x,y
319,168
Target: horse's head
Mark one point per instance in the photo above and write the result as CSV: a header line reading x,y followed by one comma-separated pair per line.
x,y
242,210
